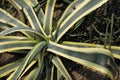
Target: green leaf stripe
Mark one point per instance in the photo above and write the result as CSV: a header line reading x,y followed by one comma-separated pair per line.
x,y
30,76
114,49
70,9
22,17
77,15
8,68
48,16
27,60
58,63
31,15
3,26
9,19
28,67
38,10
16,45
16,29
12,38
96,58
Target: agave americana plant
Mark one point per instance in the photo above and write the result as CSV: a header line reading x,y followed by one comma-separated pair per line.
x,y
42,44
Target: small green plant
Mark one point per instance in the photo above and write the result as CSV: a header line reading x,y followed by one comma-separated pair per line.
x,y
42,44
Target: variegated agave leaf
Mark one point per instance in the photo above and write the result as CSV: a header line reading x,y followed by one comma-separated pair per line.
x,y
42,44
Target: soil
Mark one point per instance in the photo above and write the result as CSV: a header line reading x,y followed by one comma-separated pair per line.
x,y
99,18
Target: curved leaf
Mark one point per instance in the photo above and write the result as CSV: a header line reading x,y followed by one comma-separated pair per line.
x,y
48,16
22,16
12,38
30,76
96,58
15,29
16,45
8,68
39,11
114,49
31,15
71,8
58,63
28,67
9,19
27,60
3,27
76,15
